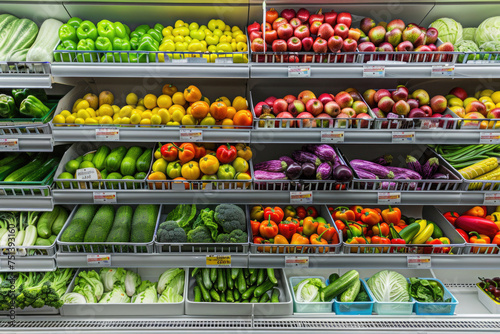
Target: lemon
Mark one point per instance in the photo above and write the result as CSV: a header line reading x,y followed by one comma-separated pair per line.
x,y
156,120
71,166
209,120
70,119
497,105
135,119
65,113
115,116
91,112
59,119
485,99
91,121
155,111
106,110
147,115
150,101
117,121
131,98
227,123
106,120
141,108
140,102
82,105
79,120
496,97
165,115
188,120
83,113
125,120
164,101
178,98
116,109
486,92
489,105
469,100
145,121
177,115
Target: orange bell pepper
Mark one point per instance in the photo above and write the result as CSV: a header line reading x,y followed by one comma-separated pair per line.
x,y
280,240
310,226
199,151
370,217
187,152
192,94
477,211
496,239
357,241
268,229
477,238
357,211
391,215
255,227
317,239
341,226
381,229
261,241
298,239
344,213
329,233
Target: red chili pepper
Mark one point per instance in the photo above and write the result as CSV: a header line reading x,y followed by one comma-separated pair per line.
x,y
311,211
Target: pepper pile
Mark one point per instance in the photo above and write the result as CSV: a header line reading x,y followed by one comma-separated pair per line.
x,y
375,226
295,226
191,161
476,226
24,103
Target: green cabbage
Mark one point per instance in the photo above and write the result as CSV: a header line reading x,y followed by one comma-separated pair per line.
x,y
449,30
467,46
115,296
167,277
169,295
389,286
148,296
468,34
490,46
111,276
132,281
73,298
488,30
308,290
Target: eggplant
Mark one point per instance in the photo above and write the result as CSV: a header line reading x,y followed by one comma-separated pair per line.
x,y
388,186
381,171
286,159
384,160
430,167
263,175
275,166
324,152
413,164
308,170
440,176
324,171
337,162
342,174
399,171
294,171
303,156
363,174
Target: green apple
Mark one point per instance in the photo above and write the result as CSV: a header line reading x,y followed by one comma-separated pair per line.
x,y
212,40
197,34
217,32
216,24
194,26
224,47
212,48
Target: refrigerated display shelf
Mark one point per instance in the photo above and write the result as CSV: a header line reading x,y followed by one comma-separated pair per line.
x,y
30,203
27,264
25,75
31,142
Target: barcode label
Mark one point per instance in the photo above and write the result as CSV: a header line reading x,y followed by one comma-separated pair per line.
x,y
9,145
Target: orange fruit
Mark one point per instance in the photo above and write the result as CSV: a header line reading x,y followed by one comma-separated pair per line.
x,y
200,109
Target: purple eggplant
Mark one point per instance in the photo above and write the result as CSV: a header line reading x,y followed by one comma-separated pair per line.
x,y
384,160
430,168
440,176
263,175
275,166
286,159
362,174
308,170
342,174
294,171
324,152
324,171
413,164
381,171
388,186
303,156
399,171
337,162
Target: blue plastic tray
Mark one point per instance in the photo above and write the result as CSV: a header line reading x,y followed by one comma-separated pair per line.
x,y
355,308
444,308
392,308
311,307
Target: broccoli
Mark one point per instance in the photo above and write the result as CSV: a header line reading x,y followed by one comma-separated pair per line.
x,y
200,234
236,236
170,231
230,217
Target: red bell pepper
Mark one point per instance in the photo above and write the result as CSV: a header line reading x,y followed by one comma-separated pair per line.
x,y
312,212
435,250
463,234
169,152
341,226
301,212
496,239
255,227
268,229
226,153
328,232
381,228
275,213
287,229
451,216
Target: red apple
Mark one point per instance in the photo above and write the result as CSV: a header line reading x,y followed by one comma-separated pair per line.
x,y
380,94
411,34
303,15
379,113
405,46
325,98
279,45
289,98
335,43
367,24
359,107
325,31
417,113
318,17
331,18
270,100
253,27
431,36
285,31
344,99
421,96
385,104
324,121
345,18
258,45
394,37
255,34
315,27
413,103
288,14
427,110
271,36
301,32
432,47
494,113
348,111
307,44
295,22
285,124
294,44
332,108
476,106
342,120
306,95
399,94
363,124
320,45
314,106
296,107
279,22
280,105
349,45
401,108
307,122
341,30
258,108
396,24
266,27
377,35
420,40
459,92
439,104
369,96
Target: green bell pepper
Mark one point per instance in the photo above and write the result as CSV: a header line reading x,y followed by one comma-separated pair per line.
x,y
65,56
120,31
155,34
103,44
226,172
86,45
87,30
106,28
7,106
33,107
68,33
20,94
121,45
148,43
144,27
134,42
174,169
138,32
127,29
74,22
159,27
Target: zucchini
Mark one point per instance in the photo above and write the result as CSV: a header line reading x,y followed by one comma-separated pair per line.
x,y
75,232
127,166
11,167
42,242
88,156
21,173
340,285
60,221
409,232
9,157
42,172
144,161
114,159
349,295
45,222
22,34
144,223
207,281
99,159
120,231
101,224
46,41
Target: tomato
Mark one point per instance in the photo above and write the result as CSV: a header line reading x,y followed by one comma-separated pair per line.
x,y
243,118
218,110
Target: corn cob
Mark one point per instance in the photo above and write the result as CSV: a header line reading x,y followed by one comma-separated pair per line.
x,y
479,168
494,175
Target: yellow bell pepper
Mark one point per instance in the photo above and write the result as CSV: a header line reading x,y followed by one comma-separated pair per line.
x,y
243,176
160,165
209,164
191,170
244,151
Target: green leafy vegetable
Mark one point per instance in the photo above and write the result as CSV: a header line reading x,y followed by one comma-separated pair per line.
x,y
183,214
112,277
449,30
73,298
115,296
308,290
170,296
148,296
132,281
389,286
168,277
488,30
426,291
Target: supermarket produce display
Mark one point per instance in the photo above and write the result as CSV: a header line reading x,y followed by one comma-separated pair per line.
x,y
246,167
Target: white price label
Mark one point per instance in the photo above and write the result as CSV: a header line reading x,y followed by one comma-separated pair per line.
x,y
418,261
9,145
489,138
427,124
332,136
224,60
104,197
389,198
405,137
443,71
99,260
373,71
218,261
299,72
107,134
296,261
191,135
491,199
301,197
88,174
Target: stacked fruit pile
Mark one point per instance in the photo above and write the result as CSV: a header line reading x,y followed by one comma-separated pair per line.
x,y
484,104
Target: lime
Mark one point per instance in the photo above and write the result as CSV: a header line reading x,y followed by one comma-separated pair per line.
x,y
64,175
86,164
72,166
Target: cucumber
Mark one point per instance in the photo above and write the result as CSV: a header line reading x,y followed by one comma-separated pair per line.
x,y
75,232
42,172
144,223
45,222
52,238
207,282
275,297
120,231
9,158
113,176
11,167
197,294
89,156
263,288
144,161
22,172
127,166
221,280
339,286
333,277
349,295
140,176
43,242
100,156
60,221
101,224
114,159
409,232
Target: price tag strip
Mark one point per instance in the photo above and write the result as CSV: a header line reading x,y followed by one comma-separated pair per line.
x,y
9,145
418,261
373,71
332,136
296,261
99,260
301,197
105,197
299,72
107,134
405,137
389,198
218,261
491,199
489,138
443,71
191,135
